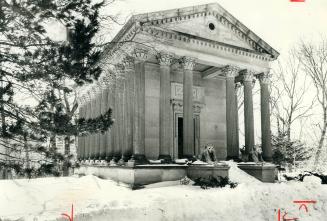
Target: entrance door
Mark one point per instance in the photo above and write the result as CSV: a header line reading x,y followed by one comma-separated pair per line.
x,y
179,136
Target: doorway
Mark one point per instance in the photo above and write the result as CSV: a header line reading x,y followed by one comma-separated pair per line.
x,y
179,135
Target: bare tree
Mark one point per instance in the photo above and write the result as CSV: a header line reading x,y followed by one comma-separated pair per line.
x,y
314,60
288,98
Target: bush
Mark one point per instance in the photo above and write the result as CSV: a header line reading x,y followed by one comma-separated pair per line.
x,y
214,182
300,177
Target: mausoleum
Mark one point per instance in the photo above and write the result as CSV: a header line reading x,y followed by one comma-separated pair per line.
x,y
170,78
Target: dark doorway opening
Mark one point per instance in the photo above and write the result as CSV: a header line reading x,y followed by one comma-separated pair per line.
x,y
180,136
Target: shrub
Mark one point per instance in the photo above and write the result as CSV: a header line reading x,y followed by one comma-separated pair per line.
x,y
214,182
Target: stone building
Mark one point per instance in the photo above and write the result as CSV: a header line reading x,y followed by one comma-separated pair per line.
x,y
170,79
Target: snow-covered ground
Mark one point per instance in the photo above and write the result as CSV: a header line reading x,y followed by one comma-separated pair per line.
x,y
98,199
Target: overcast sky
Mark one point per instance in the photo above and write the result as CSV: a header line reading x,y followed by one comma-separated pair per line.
x,y
280,23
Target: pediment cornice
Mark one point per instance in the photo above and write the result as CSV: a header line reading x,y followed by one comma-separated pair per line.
x,y
206,44
150,21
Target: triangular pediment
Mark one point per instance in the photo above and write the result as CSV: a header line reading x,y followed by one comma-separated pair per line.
x,y
208,27
207,22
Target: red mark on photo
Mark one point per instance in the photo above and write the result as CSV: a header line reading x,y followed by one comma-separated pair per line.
x,y
284,218
303,203
297,0
71,217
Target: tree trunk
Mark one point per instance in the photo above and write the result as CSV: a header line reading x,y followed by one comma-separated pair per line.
x,y
321,141
4,132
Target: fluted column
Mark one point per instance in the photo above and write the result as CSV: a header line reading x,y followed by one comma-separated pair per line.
x,y
165,61
110,132
104,82
188,123
139,108
248,111
129,71
88,140
265,117
82,139
116,114
237,87
101,135
231,113
97,114
121,115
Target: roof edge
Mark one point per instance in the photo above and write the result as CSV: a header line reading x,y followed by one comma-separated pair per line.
x,y
185,11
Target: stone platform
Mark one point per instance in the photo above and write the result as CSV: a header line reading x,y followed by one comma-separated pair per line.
x,y
152,173
207,170
137,175
264,172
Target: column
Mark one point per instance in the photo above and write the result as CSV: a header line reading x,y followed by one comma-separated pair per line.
x,y
188,123
116,110
139,108
165,61
237,87
231,113
81,139
121,116
109,133
248,111
129,71
104,108
97,114
265,117
88,140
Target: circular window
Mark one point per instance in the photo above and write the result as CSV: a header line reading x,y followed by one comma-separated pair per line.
x,y
211,26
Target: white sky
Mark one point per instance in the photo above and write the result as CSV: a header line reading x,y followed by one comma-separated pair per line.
x,y
280,23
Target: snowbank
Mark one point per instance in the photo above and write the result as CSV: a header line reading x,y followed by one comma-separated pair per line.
x,y
98,199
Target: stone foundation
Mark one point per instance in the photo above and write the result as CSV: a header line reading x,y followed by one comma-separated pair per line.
x,y
205,171
137,175
261,171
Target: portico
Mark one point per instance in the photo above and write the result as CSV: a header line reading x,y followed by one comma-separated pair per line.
x,y
172,88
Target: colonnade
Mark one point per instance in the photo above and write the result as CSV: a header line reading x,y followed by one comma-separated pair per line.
x,y
125,93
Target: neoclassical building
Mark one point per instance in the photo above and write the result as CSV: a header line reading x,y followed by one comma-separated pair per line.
x,y
170,78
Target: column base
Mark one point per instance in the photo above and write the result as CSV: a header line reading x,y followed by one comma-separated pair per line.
x,y
267,159
165,158
138,159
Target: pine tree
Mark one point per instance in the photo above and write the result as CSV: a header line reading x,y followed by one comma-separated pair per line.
x,y
31,63
289,152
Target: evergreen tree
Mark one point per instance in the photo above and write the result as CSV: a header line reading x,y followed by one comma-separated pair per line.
x,y
289,152
49,71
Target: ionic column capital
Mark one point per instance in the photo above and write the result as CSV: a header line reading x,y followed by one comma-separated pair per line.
x,y
165,58
188,63
248,75
230,71
264,77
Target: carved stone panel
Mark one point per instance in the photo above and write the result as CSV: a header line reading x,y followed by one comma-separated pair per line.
x,y
177,92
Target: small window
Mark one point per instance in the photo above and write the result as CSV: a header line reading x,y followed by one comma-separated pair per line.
x,y
211,26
